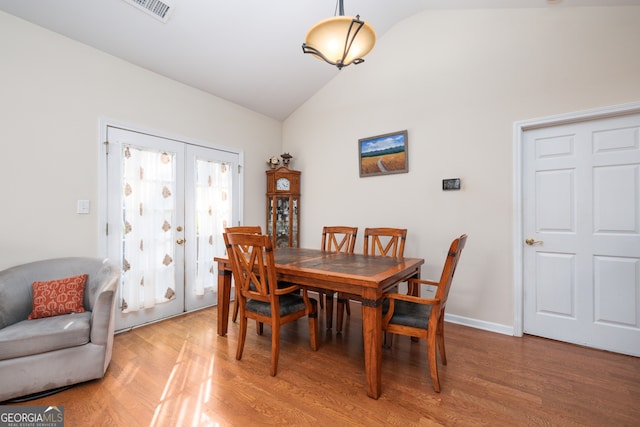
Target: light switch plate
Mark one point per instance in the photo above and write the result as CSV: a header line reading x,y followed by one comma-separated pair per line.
x,y
83,207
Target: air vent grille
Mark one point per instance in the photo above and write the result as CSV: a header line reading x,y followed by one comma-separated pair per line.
x,y
161,10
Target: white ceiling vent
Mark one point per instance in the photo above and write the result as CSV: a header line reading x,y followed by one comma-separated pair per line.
x,y
160,10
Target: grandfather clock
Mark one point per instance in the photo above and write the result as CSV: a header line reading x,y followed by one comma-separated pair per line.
x,y
283,207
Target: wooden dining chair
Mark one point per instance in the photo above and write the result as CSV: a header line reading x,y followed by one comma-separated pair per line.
x,y
251,229
336,239
260,298
424,317
382,241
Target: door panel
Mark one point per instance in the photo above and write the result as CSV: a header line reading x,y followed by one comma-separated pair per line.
x,y
615,204
581,208
146,210
616,284
556,288
210,205
555,204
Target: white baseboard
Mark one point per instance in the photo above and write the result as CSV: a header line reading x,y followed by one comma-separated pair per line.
x,y
479,324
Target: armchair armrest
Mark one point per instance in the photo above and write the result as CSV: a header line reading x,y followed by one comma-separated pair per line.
x,y
287,289
414,284
423,282
411,298
103,311
392,297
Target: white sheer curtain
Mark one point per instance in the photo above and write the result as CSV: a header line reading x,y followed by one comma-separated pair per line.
x,y
148,233
213,213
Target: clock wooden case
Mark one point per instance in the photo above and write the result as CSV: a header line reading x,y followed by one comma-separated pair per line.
x,y
283,207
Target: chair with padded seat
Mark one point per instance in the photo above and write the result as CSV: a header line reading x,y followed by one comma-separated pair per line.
x,y
424,317
260,298
251,229
336,239
381,241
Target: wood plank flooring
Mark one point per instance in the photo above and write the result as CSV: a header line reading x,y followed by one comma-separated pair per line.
x,y
180,373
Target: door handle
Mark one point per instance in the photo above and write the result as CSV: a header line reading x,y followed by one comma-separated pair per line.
x,y
532,242
180,241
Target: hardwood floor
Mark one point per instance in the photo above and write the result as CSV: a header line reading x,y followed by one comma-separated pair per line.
x,y
180,373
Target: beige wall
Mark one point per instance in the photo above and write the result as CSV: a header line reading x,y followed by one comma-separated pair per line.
x,y
457,81
53,92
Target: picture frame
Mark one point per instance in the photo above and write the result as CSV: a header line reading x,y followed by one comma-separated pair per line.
x,y
384,154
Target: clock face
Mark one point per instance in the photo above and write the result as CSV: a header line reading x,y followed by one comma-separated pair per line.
x,y
282,184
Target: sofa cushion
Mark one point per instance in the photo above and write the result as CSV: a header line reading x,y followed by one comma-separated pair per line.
x,y
56,297
41,335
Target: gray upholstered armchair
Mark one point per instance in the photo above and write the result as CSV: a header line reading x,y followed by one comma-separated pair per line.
x,y
52,352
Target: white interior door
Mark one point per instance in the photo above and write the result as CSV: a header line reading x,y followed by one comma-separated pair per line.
x,y
167,203
581,215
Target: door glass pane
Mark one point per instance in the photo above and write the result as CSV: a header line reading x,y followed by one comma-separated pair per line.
x,y
294,224
213,199
148,223
282,223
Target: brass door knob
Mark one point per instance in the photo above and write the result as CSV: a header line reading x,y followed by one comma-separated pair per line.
x,y
532,242
180,241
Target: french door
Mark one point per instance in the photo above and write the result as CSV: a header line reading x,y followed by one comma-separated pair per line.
x,y
581,226
167,204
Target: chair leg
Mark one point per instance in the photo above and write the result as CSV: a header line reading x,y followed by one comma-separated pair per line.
x,y
259,328
236,306
275,347
388,339
339,313
433,360
320,297
329,310
242,337
342,306
313,327
440,337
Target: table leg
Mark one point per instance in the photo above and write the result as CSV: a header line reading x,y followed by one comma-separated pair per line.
x,y
224,295
372,331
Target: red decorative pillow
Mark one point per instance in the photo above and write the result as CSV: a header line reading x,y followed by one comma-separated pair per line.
x,y
61,296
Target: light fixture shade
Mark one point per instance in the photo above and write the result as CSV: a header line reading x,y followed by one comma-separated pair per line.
x,y
331,38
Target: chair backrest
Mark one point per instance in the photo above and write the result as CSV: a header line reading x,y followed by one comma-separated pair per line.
x,y
449,269
339,239
384,241
251,229
246,229
253,265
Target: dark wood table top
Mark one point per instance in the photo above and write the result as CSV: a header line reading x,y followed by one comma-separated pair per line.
x,y
315,267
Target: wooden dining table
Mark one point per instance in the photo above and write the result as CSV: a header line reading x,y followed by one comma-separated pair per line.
x,y
367,277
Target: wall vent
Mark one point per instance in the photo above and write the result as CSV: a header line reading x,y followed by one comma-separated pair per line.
x,y
160,10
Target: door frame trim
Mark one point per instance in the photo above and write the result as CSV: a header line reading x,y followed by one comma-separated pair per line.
x,y
102,207
519,128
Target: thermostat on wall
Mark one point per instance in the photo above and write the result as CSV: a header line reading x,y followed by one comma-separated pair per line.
x,y
451,184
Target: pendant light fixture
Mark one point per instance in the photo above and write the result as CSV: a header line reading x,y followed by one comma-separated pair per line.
x,y
340,40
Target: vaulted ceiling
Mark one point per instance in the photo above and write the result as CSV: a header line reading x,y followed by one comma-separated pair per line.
x,y
245,51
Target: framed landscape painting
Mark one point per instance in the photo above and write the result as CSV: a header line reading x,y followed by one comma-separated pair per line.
x,y
384,154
